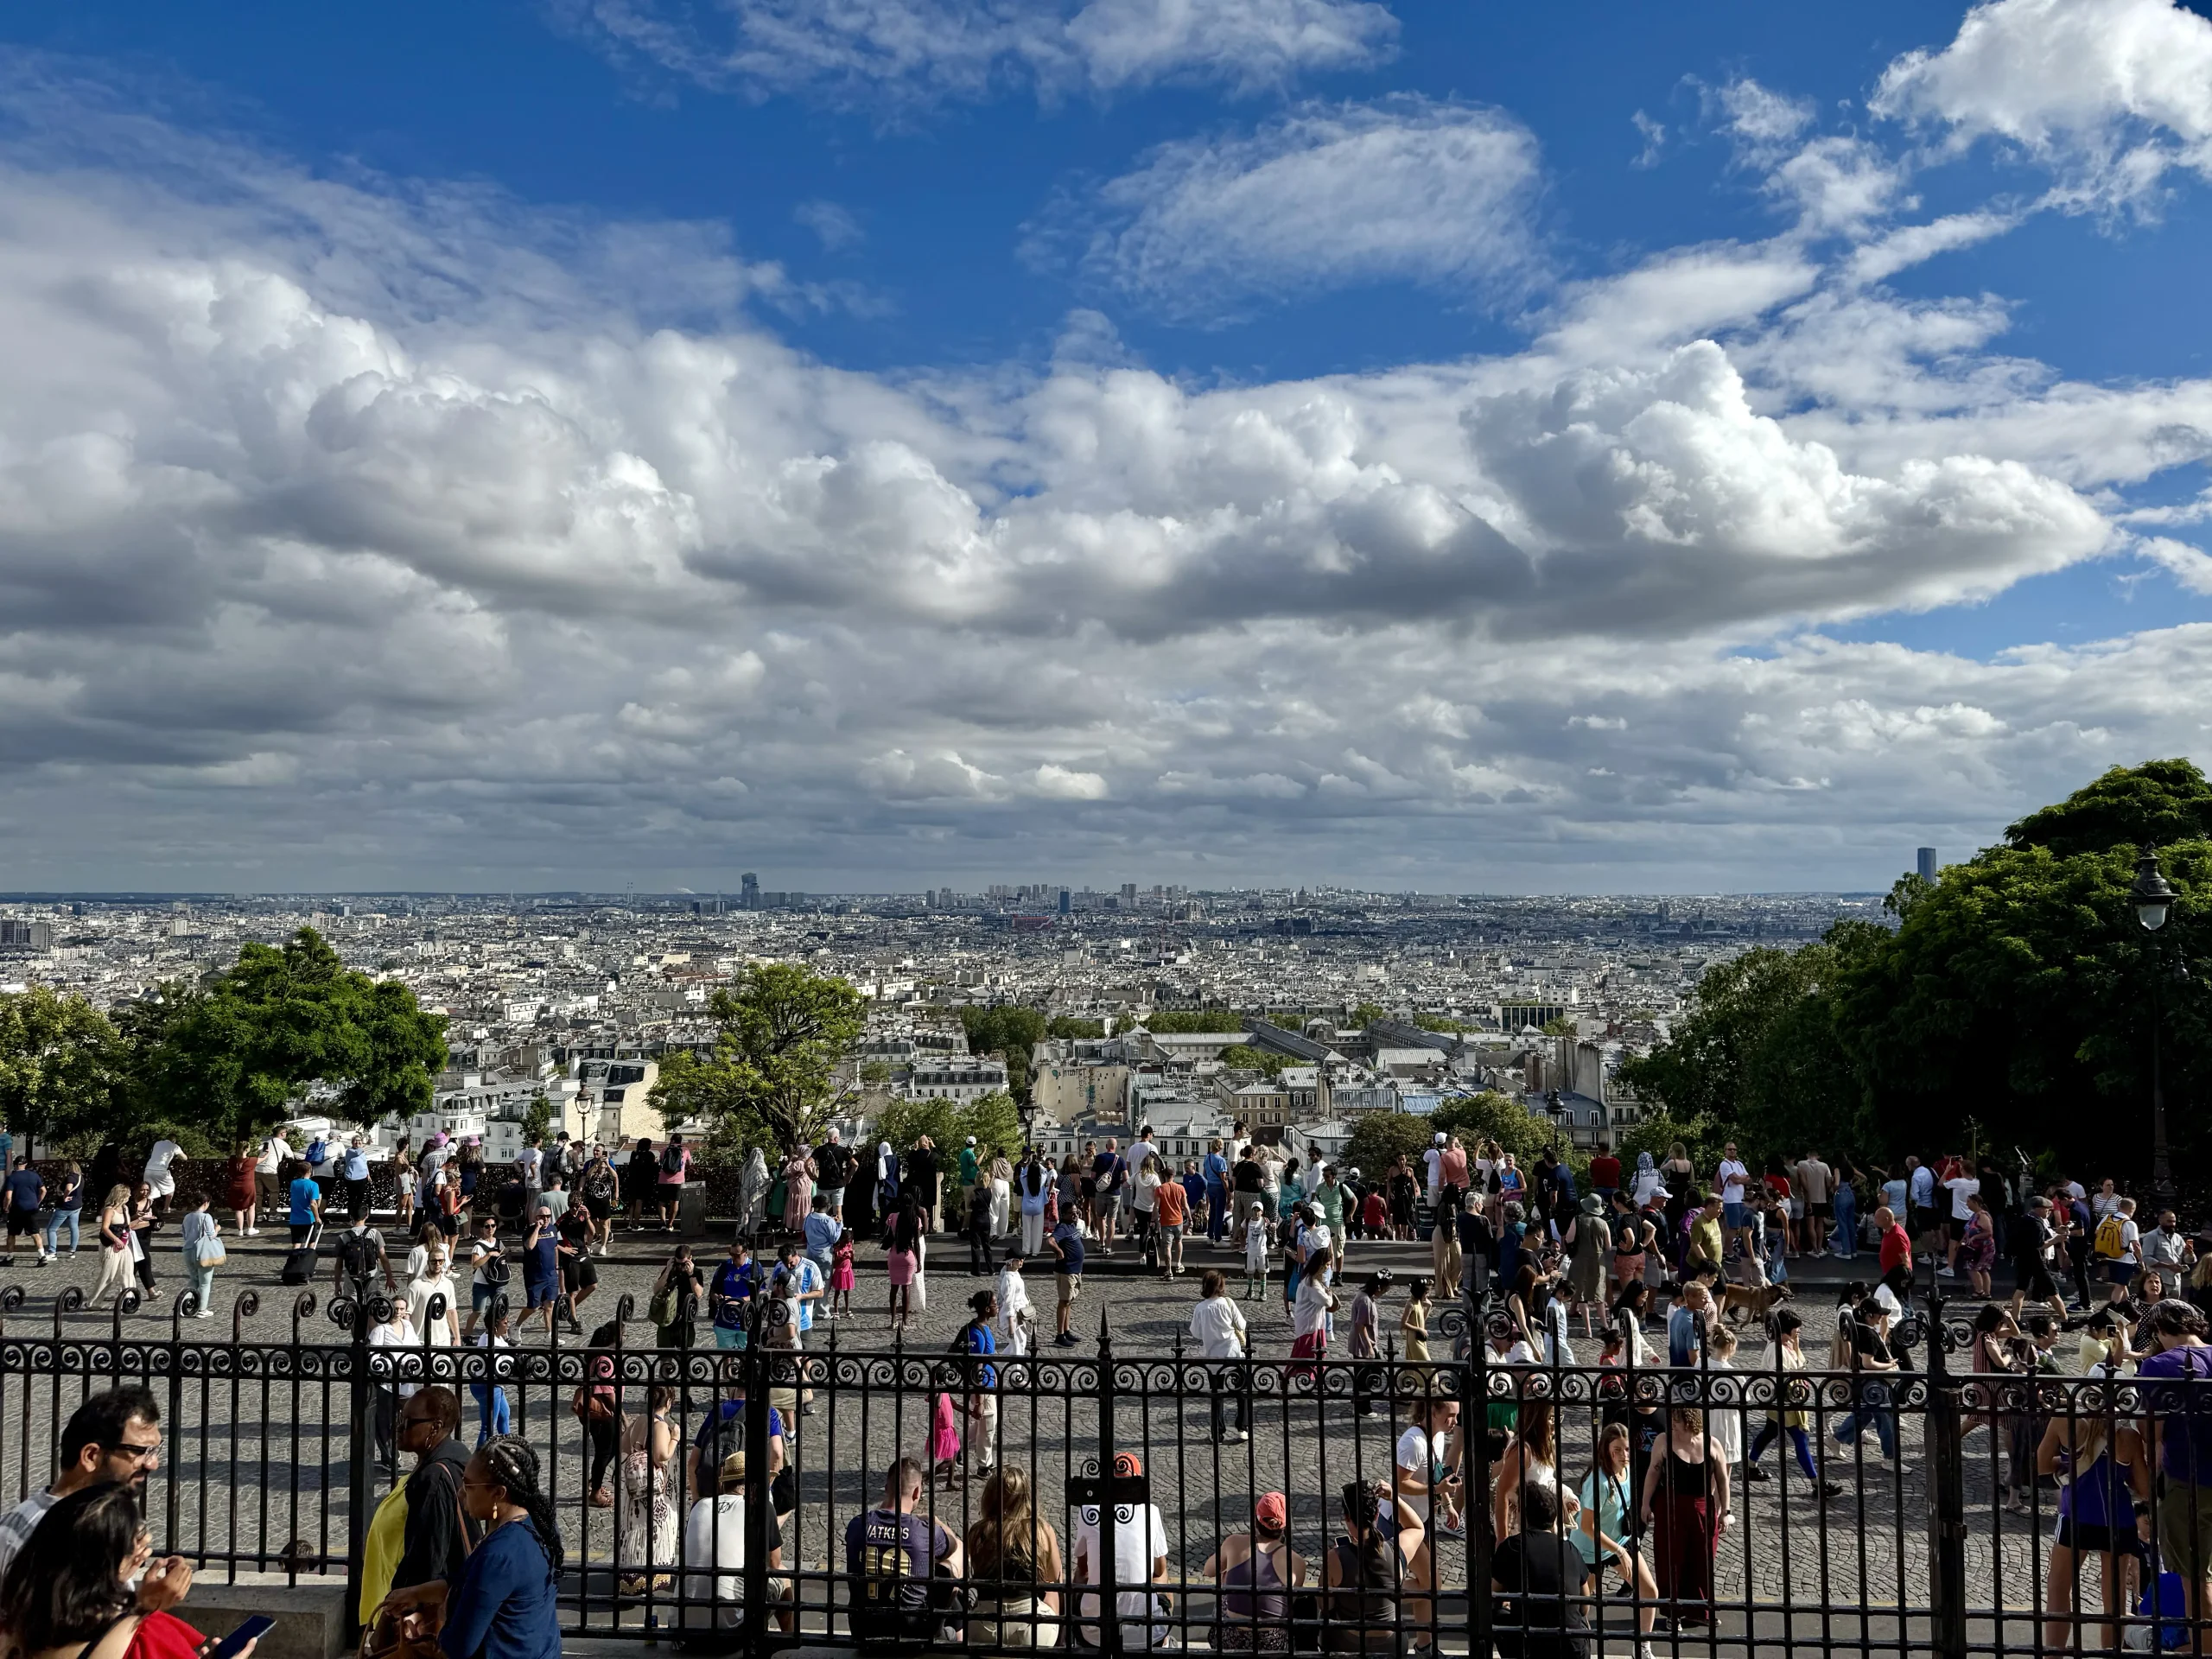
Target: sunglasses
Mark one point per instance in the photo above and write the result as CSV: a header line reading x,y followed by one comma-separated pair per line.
x,y
136,1452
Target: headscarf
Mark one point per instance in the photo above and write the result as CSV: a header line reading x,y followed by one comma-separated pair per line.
x,y
1643,1164
886,1169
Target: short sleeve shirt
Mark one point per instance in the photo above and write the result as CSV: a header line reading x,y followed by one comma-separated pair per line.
x,y
24,1188
1170,1202
1733,1173
304,1194
2184,1414
891,1557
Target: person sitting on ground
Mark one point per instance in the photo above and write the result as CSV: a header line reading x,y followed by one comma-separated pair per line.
x,y
892,1555
68,1594
1254,1573
1364,1567
115,1436
1541,1579
1012,1551
714,1543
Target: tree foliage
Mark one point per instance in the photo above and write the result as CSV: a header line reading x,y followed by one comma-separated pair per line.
x,y
2149,805
1380,1137
993,1119
771,1077
1244,1057
1010,1032
1067,1028
241,1051
2017,993
1165,1021
60,1064
1492,1116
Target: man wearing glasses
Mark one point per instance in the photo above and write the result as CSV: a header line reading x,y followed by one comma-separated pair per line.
x,y
113,1436
420,1533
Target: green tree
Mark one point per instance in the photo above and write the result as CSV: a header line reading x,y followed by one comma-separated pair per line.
x,y
1441,1022
993,1119
1165,1020
2149,805
536,1118
238,1054
1367,1014
59,1063
1492,1116
772,1077
1379,1137
1068,1028
1010,1032
1244,1056
1701,1137
1560,1026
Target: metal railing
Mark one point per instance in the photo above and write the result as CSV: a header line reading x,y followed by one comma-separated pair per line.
x,y
2011,1498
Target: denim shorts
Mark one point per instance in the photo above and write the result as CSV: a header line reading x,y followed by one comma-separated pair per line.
x,y
1732,1217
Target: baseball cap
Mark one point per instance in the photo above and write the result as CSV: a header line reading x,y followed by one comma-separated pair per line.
x,y
1272,1511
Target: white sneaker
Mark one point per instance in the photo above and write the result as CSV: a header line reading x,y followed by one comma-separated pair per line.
x,y
253,1232
1945,1272
206,1312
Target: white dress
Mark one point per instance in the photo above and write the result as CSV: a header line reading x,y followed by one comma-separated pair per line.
x,y
651,1535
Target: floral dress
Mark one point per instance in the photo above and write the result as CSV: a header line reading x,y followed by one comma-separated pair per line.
x,y
650,1536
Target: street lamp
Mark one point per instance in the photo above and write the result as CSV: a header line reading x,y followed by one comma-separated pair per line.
x,y
2153,897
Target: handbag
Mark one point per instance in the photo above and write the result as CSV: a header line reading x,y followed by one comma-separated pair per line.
x,y
207,1251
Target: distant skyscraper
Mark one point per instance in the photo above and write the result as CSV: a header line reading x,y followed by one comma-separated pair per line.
x,y
1928,863
1063,901
749,891
1128,893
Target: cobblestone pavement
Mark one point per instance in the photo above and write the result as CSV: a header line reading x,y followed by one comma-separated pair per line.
x,y
254,1448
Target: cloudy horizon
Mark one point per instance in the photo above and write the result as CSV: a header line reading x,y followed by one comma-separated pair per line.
x,y
1256,442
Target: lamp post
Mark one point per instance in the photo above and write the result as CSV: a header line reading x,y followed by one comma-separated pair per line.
x,y
2153,897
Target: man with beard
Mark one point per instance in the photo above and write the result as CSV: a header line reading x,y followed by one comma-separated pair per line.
x,y
114,1436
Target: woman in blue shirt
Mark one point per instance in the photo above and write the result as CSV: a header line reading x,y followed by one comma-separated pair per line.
x,y
502,1605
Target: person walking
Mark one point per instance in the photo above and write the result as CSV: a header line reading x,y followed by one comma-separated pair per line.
x,y
115,1244
199,1239
1033,1184
65,1203
1224,1344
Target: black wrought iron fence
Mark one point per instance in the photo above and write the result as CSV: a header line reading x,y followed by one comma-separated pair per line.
x,y
1482,1499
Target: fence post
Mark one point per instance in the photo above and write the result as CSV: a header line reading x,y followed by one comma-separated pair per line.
x,y
360,1481
754,1365
1474,1471
1947,1497
1109,1601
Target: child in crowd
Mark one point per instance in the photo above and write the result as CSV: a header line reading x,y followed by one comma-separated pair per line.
x,y
1256,1253
840,1277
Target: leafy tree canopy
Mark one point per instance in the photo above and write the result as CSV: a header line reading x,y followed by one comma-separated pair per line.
x,y
1192,1020
1011,1032
240,1052
992,1120
772,1077
2150,805
1244,1056
1367,1014
1068,1028
59,1063
1380,1137
1492,1116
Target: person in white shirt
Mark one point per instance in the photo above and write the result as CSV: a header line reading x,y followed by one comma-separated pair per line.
x,y
1961,1187
1432,1161
1733,1176
1016,1318
1217,1326
269,1184
161,1174
1140,1558
714,1544
1427,1460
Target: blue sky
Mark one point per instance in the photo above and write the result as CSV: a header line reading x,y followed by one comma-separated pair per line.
x,y
885,444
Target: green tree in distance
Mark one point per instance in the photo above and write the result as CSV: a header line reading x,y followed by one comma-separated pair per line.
x,y
1184,1021
993,1119
1367,1014
241,1051
1379,1137
1068,1028
1245,1056
772,1077
61,1063
1011,1031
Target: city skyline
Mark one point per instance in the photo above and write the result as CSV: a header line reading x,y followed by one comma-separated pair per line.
x,y
1254,442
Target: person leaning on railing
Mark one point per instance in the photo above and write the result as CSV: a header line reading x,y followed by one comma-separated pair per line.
x,y
68,1594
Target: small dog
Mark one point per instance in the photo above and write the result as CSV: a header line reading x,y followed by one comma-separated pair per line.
x,y
1756,1300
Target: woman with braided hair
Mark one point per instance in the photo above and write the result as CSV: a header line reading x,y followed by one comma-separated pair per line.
x,y
502,1606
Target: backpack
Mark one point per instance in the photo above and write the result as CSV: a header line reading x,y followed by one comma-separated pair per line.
x,y
2111,1238
357,1253
493,1268
831,1163
671,1159
1286,1233
317,1152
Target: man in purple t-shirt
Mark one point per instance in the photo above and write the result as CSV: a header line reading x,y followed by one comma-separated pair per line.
x,y
892,1553
2179,1417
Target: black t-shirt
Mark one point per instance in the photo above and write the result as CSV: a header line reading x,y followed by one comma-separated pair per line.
x,y
1533,1619
833,1164
1247,1178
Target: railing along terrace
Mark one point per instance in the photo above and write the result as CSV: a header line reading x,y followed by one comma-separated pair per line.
x,y
1142,1473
